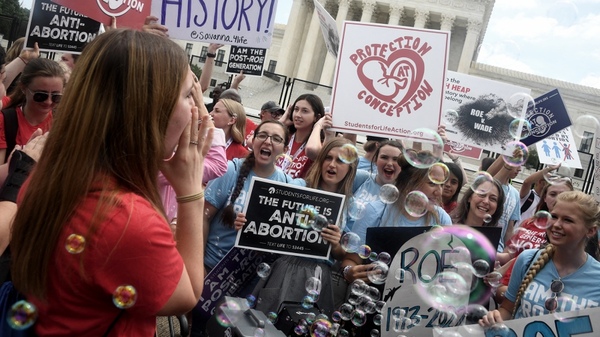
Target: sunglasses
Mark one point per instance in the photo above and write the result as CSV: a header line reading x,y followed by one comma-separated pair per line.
x,y
551,303
42,96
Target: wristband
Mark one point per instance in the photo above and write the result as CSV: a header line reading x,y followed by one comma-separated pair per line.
x,y
19,167
211,55
346,271
22,59
189,198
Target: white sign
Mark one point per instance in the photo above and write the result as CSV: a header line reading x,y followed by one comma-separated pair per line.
x,y
240,23
476,111
559,148
389,80
328,28
567,324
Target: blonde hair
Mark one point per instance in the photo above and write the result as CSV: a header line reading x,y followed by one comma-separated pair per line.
x,y
238,129
545,256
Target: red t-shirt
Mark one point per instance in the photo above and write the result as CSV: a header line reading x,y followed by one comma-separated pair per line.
x,y
25,129
132,246
300,162
235,150
527,236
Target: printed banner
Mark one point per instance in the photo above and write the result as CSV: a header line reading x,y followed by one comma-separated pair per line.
x,y
574,323
476,111
129,13
463,150
328,28
240,23
58,28
249,60
559,148
596,187
389,80
273,212
548,116
230,276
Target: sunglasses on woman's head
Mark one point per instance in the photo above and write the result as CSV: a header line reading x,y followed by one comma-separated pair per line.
x,y
42,96
556,287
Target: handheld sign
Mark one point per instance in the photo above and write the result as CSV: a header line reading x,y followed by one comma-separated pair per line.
x,y
596,149
57,28
240,23
476,111
328,28
463,150
389,80
249,60
279,218
129,13
559,148
548,116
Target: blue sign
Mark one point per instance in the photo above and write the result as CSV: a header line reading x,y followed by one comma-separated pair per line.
x,y
547,117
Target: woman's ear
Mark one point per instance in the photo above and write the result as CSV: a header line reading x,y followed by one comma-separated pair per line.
x,y
592,233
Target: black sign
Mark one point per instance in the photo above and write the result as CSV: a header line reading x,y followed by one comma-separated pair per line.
x,y
250,60
279,216
57,28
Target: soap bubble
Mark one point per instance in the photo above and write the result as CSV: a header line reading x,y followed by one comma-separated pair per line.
x,y
313,284
364,252
481,267
518,104
584,127
399,275
373,256
263,270
75,244
124,296
348,153
358,318
22,315
350,242
300,330
319,223
519,128
378,273
560,176
356,209
272,317
306,216
320,328
447,289
336,316
307,302
450,116
432,147
518,153
474,312
346,311
438,173
388,193
416,204
222,318
542,220
358,287
384,257
375,332
251,301
494,279
479,179
259,332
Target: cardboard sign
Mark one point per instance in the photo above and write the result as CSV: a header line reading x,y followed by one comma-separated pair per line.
x,y
463,150
559,148
574,323
547,117
129,13
389,80
273,211
240,23
328,28
476,112
57,28
228,278
249,60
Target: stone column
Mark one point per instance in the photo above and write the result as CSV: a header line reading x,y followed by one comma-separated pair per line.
x,y
473,30
447,22
329,66
421,17
368,7
309,51
292,38
396,11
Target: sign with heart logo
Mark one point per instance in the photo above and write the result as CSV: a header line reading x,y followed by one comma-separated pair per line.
x,y
389,79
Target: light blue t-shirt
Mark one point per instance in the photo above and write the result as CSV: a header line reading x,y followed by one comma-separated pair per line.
x,y
367,165
581,287
511,211
218,193
379,214
365,191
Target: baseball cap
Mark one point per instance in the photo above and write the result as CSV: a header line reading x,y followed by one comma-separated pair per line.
x,y
376,139
272,107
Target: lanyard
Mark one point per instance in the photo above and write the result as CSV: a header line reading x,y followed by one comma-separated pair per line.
x,y
229,141
288,160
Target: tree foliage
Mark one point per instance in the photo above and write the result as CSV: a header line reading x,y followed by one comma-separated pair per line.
x,y
13,19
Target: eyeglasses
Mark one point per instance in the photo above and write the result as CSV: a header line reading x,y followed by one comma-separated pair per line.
x,y
275,139
551,303
42,96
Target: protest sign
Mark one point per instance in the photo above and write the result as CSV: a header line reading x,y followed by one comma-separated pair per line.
x,y
57,28
563,324
548,116
559,148
230,276
463,150
389,80
129,13
279,218
240,23
476,111
596,187
432,271
328,28
249,60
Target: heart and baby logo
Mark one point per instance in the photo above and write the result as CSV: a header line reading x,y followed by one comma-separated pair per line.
x,y
392,75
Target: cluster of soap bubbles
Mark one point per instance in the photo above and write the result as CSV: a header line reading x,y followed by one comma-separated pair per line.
x,y
309,218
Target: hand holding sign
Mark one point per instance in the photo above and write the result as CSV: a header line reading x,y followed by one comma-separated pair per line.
x,y
30,54
240,221
152,26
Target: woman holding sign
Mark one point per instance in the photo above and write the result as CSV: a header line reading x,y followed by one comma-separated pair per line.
x,y
562,277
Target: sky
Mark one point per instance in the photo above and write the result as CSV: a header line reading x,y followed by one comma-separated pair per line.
x,y
558,39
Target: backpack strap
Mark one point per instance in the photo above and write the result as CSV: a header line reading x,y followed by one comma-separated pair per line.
x,y
528,202
11,126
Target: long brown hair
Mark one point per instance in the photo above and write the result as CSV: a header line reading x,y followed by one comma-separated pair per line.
x,y
38,67
315,173
111,124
